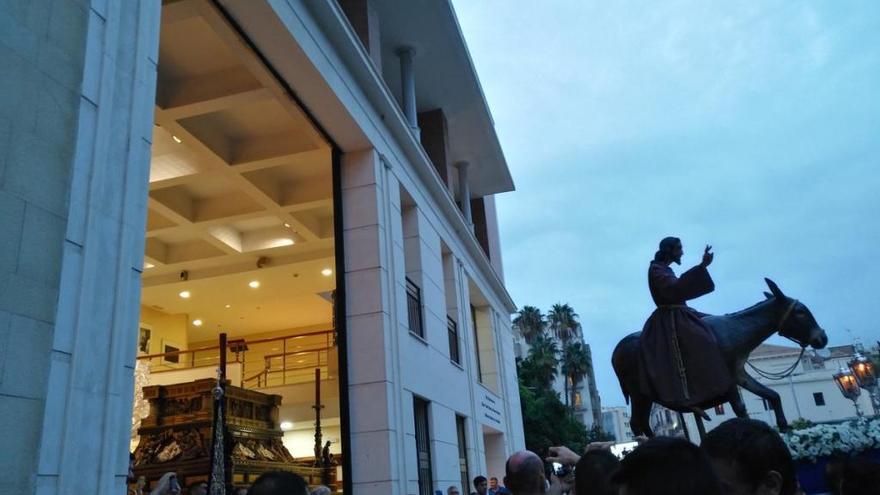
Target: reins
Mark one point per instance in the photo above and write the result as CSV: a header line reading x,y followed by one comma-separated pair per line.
x,y
788,371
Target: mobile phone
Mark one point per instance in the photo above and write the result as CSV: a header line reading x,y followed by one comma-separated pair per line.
x,y
559,470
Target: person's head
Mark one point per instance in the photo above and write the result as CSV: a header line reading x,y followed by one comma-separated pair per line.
x,y
750,458
666,466
860,476
480,485
524,473
321,490
279,483
593,473
493,482
669,251
198,488
167,485
453,490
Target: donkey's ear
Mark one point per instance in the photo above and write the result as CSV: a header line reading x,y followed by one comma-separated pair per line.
x,y
768,295
777,292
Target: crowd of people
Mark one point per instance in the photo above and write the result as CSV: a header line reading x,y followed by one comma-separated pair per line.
x,y
739,457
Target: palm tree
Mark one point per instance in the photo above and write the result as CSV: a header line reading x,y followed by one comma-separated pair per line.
x,y
563,322
530,323
575,366
542,360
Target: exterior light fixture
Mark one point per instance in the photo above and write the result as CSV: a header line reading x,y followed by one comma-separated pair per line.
x,y
326,272
866,377
197,322
184,294
254,284
846,382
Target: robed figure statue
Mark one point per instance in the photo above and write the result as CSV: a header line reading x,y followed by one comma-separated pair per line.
x,y
683,366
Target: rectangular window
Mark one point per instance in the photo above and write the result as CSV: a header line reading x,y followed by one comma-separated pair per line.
x,y
452,329
719,410
577,400
819,398
462,454
476,342
423,446
414,308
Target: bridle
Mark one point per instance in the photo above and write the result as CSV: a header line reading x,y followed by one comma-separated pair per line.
x,y
788,371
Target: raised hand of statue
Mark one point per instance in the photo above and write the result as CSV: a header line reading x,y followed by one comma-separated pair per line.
x,y
708,256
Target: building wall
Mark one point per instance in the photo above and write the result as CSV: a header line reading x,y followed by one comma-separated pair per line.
x,y
163,326
75,191
615,421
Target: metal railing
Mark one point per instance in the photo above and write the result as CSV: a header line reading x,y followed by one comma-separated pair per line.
x,y
266,362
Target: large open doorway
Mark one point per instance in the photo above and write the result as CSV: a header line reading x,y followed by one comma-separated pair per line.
x,y
239,239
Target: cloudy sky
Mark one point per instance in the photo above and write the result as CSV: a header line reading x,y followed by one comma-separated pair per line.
x,y
753,126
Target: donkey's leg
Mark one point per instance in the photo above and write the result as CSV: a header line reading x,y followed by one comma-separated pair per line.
x,y
640,423
764,392
736,403
701,428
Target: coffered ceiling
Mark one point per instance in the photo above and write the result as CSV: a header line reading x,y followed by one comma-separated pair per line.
x,y
240,180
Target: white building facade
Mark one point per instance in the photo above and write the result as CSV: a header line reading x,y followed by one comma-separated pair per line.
x,y
615,422
153,149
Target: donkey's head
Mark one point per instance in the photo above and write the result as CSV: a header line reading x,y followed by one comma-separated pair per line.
x,y
796,321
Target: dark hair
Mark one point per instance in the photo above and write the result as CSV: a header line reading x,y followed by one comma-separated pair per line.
x,y
594,471
860,476
478,480
667,246
279,483
667,466
755,449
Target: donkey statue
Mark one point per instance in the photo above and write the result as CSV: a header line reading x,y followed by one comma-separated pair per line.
x,y
738,334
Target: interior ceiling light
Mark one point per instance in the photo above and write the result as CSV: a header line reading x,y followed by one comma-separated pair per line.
x,y
184,294
287,225
197,322
176,139
286,425
228,306
254,284
326,272
148,265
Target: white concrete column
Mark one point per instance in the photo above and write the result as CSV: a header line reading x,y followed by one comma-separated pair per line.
x,y
464,191
406,54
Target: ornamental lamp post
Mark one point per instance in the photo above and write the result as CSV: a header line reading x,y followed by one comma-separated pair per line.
x,y
846,382
866,377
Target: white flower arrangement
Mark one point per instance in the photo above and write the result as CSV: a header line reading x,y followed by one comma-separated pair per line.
x,y
826,439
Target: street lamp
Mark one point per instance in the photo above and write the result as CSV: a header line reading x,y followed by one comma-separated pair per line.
x,y
866,377
846,382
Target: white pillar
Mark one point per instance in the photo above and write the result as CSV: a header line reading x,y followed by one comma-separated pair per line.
x,y
464,191
408,86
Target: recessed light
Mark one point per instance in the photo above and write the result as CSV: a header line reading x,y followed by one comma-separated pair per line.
x,y
287,225
326,272
228,306
148,265
286,425
184,294
176,139
254,284
197,322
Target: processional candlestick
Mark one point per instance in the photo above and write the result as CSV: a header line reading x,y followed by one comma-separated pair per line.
x,y
217,479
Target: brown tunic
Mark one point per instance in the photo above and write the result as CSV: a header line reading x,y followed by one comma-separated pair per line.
x,y
683,365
